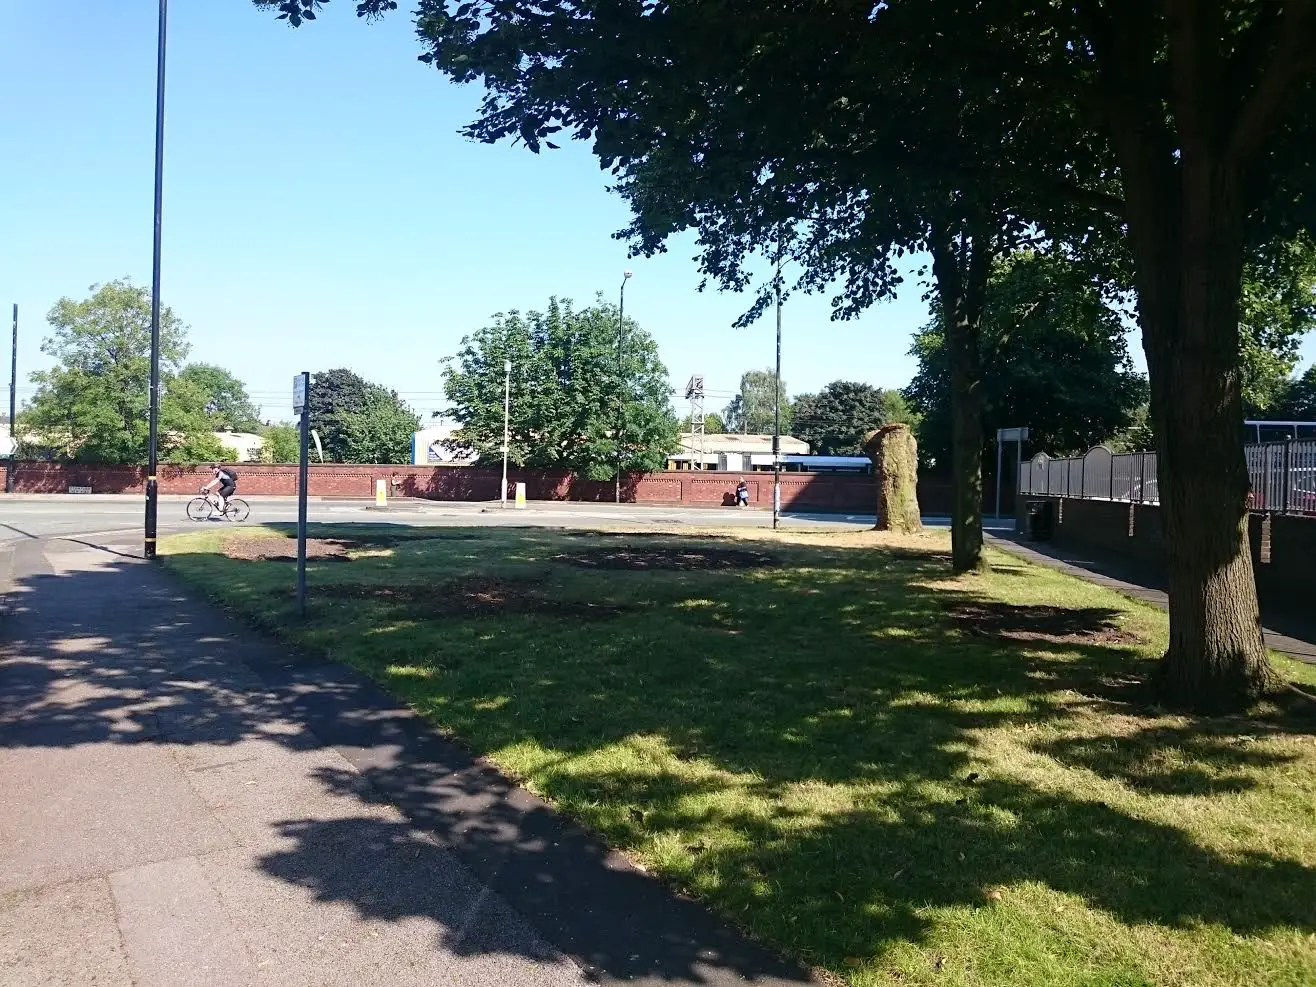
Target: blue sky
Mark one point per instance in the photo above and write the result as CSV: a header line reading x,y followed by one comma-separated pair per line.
x,y
321,209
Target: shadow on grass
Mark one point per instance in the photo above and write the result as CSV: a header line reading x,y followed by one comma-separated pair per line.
x,y
835,666
1162,760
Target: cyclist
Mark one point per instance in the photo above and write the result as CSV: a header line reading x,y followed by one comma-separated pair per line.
x,y
225,484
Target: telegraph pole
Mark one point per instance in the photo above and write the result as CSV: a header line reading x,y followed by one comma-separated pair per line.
x,y
13,409
507,434
621,328
776,409
152,459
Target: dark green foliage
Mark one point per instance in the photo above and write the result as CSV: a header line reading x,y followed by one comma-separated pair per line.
x,y
835,420
568,400
1059,358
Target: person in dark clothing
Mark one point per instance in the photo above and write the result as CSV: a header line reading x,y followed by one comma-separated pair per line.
x,y
742,494
225,485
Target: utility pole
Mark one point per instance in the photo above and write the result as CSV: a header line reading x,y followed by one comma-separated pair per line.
x,y
301,400
621,328
776,408
13,409
152,461
507,412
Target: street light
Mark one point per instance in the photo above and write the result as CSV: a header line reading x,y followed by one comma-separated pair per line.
x,y
507,410
776,408
152,463
621,325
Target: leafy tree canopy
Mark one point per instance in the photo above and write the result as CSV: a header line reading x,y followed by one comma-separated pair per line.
x,y
1060,362
282,444
1276,309
93,406
753,409
1298,400
381,432
834,420
566,389
359,421
226,404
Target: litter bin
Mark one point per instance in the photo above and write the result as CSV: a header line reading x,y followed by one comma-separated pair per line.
x,y
1037,520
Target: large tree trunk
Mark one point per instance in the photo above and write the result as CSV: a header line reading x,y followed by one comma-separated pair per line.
x,y
894,453
961,268
966,446
1184,176
1190,262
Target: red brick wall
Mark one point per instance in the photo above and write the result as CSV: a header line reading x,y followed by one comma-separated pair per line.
x,y
820,491
823,491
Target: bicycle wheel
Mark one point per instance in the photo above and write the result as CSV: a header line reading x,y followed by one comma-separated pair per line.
x,y
199,509
237,510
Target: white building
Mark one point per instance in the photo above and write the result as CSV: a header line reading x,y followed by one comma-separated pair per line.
x,y
731,451
433,447
245,447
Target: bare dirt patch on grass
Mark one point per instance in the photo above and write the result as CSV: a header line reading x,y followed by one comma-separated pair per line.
x,y
1041,624
476,597
682,558
276,549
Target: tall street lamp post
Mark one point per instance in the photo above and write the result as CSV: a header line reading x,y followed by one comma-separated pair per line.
x,y
507,411
776,411
621,327
152,461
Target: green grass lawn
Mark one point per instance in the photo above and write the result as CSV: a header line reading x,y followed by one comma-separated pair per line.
x,y
897,776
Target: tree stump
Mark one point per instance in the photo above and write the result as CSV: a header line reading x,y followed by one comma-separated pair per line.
x,y
894,453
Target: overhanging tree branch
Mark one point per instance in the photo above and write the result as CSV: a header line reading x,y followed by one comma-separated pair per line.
x,y
1281,80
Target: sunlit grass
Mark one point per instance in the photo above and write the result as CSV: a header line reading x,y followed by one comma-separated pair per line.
x,y
893,774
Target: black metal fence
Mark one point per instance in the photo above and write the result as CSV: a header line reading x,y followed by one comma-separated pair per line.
x,y
1283,476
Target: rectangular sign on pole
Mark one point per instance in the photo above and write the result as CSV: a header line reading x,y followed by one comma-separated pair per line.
x,y
300,387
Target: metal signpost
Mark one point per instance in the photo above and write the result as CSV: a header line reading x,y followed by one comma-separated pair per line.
x,y
301,386
1003,435
13,409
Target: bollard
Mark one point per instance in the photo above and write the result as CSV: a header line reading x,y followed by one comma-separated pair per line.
x,y
381,493
520,496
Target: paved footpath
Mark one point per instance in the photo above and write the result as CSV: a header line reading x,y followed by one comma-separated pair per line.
x,y
1292,635
184,804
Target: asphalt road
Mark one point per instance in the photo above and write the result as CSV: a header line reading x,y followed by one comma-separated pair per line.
x,y
24,517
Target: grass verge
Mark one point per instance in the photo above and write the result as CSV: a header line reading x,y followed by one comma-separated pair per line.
x,y
895,775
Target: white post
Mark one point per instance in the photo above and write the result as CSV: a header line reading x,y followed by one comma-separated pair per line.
x,y
507,410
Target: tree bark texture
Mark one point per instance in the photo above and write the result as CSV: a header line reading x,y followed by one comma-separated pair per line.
x,y
894,453
1186,211
1188,309
960,266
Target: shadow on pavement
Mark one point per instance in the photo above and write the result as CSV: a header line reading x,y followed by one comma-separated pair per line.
x,y
114,653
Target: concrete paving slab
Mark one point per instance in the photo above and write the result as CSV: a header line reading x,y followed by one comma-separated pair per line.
x,y
175,929
365,900
94,809
62,936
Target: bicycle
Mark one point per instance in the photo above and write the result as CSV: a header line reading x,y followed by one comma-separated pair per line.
x,y
205,507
